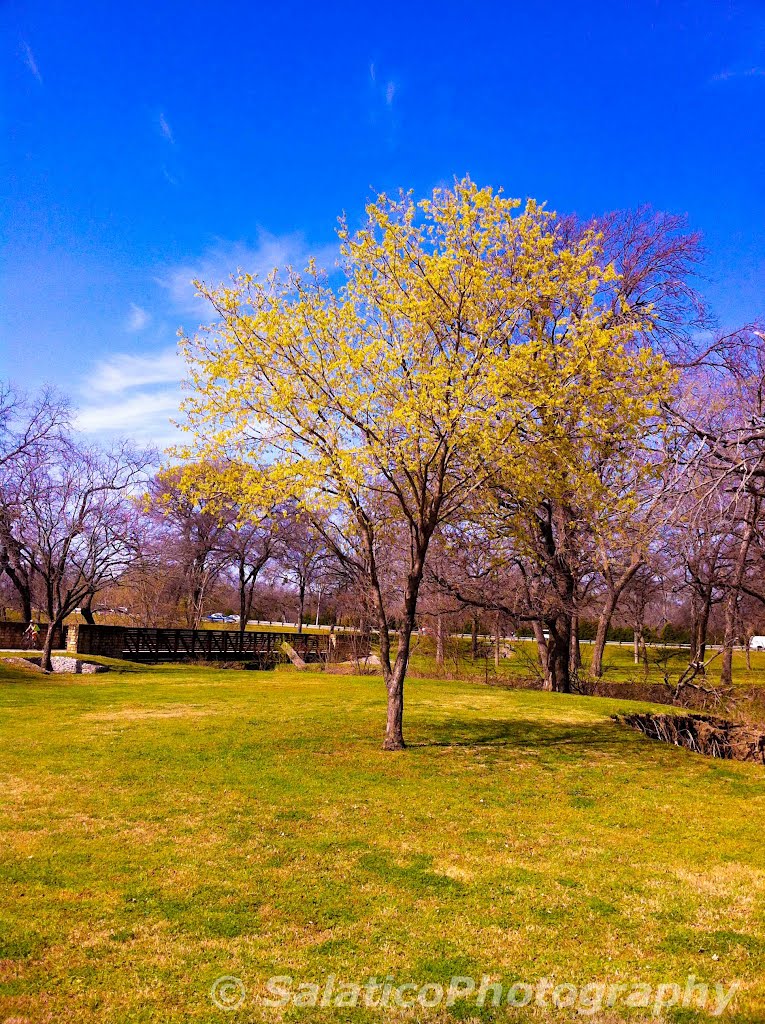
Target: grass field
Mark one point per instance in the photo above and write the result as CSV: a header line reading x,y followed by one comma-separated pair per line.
x,y
163,827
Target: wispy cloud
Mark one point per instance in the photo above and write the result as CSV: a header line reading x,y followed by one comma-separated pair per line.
x,y
138,318
145,416
386,89
31,63
727,75
135,395
383,105
138,394
165,129
124,371
218,263
169,178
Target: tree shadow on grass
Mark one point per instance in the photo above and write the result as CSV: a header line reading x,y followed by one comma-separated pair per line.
x,y
604,737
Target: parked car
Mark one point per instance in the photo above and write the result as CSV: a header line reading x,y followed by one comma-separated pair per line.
x,y
757,643
217,617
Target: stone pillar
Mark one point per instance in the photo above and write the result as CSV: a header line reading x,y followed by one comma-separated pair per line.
x,y
72,636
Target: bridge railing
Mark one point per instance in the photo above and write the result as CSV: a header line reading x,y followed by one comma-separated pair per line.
x,y
149,644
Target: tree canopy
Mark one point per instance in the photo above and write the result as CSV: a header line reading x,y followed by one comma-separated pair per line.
x,y
472,340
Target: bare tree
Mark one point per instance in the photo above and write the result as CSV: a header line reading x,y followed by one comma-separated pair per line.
x,y
75,524
742,541
251,545
193,533
32,429
302,558
30,424
657,259
644,586
722,410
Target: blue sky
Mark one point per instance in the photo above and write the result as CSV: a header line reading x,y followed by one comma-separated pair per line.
x,y
146,143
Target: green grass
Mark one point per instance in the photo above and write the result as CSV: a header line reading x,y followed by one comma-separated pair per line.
x,y
162,827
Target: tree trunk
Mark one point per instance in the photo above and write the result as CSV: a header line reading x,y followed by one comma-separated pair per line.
x,y
731,604
394,723
198,586
694,631
194,613
301,609
197,617
558,652
496,642
22,589
440,640
604,619
474,639
543,652
26,605
700,625
242,601
639,645
601,633
394,681
575,651
86,610
394,676
45,658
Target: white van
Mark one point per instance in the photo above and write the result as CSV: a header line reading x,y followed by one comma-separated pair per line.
x,y
757,643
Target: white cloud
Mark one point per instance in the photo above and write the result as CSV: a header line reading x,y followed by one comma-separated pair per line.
x,y
31,63
165,129
137,394
390,92
138,318
145,416
123,372
217,264
134,395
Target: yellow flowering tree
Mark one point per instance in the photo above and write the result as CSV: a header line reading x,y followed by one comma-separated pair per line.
x,y
387,404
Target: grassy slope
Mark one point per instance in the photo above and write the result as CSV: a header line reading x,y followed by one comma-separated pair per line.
x,y
166,826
